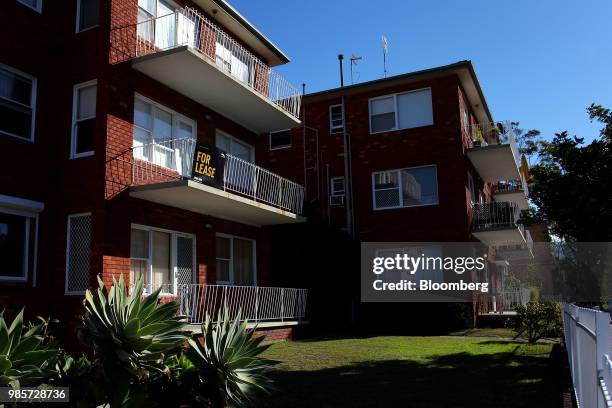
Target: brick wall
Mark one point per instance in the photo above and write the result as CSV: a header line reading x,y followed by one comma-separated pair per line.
x,y
275,334
441,144
51,51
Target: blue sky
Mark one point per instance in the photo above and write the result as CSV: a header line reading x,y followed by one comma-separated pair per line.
x,y
540,62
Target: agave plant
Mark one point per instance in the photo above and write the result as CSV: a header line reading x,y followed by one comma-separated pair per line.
x,y
129,332
26,358
228,361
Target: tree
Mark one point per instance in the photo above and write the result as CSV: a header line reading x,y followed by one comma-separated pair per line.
x,y
538,320
530,143
571,184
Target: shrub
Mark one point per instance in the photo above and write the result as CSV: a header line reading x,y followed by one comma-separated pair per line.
x,y
132,337
26,356
228,362
142,357
538,320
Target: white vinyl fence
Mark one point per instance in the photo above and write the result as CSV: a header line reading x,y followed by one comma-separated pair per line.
x,y
587,338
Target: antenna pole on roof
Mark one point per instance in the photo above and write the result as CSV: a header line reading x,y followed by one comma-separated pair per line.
x,y
354,60
341,62
385,47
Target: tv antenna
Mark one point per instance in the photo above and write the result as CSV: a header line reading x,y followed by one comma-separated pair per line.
x,y
354,59
385,47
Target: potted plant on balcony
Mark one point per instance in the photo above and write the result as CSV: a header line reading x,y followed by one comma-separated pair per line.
x,y
477,138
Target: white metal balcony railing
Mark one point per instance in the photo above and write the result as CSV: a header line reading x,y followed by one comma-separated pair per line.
x,y
496,133
187,27
505,301
254,303
511,186
527,246
172,160
495,215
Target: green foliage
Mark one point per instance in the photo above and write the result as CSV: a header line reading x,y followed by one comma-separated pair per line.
x,y
26,356
537,320
132,337
228,362
139,357
128,332
570,168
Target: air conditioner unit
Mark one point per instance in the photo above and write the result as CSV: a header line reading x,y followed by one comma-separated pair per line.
x,y
336,200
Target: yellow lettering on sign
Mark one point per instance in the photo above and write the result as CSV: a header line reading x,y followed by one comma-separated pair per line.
x,y
203,165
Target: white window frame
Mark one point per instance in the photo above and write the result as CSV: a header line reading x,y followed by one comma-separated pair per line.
x,y
396,110
75,108
471,188
26,252
38,7
332,191
175,118
231,260
285,146
336,129
78,20
400,187
465,116
239,141
149,259
68,222
29,209
32,99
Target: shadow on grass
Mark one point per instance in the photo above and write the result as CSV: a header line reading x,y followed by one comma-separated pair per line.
x,y
455,380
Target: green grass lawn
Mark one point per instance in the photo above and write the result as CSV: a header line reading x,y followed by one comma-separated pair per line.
x,y
410,372
500,332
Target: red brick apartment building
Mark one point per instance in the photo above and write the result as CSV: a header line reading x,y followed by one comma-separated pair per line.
x,y
103,106
415,158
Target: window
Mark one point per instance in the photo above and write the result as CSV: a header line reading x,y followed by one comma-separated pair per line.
x,y
336,119
280,139
382,114
18,238
465,117
408,187
83,119
401,111
165,259
337,186
235,260
88,14
78,253
159,25
229,58
17,103
156,131
33,4
235,147
471,188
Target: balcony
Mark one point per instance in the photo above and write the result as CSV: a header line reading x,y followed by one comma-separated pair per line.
x,y
496,224
162,173
265,306
517,252
513,191
504,302
190,54
494,152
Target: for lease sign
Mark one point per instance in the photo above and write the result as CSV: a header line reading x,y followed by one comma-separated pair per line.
x,y
208,165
